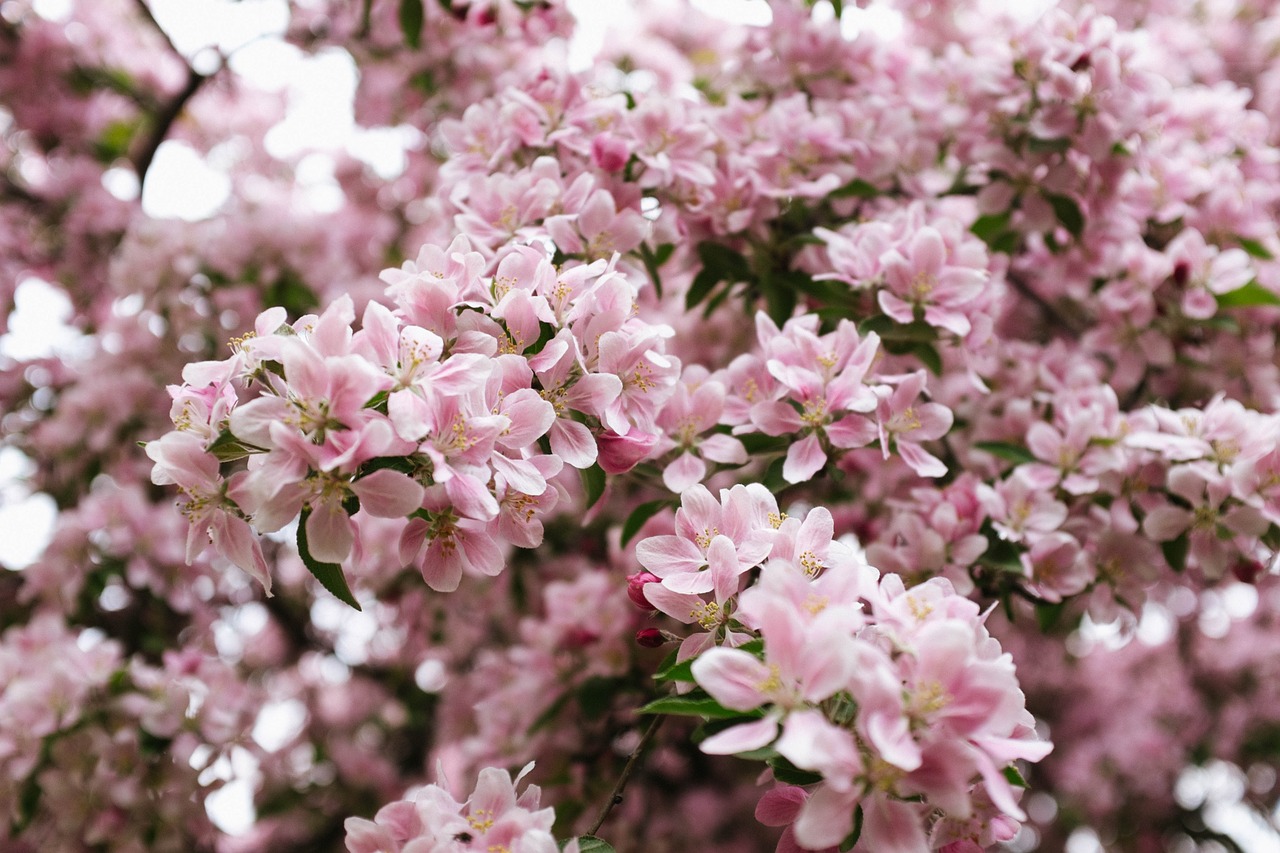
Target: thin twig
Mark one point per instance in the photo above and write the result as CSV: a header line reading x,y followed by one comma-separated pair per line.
x,y
632,761
1050,310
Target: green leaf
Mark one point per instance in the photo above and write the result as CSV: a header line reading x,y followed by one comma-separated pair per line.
x,y
653,259
403,464
329,574
411,20
988,228
703,284
1048,615
1255,248
753,647
927,355
226,447
695,704
1175,552
291,293
672,671
719,263
113,142
757,443
1068,213
640,515
889,329
1003,556
596,694
1058,145
593,483
1249,296
788,774
773,479
592,844
1014,453
729,262
764,753
1014,775
852,839
857,188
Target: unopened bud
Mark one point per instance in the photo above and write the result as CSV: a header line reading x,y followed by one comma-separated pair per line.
x,y
635,589
1248,571
609,152
650,638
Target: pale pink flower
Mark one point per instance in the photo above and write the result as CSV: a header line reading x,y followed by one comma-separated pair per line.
x,y
180,459
905,422
922,279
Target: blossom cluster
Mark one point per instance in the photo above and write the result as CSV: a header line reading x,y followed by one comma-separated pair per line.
x,y
432,414
110,748
897,699
493,817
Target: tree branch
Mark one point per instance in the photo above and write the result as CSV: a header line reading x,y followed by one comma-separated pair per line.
x,y
163,122
169,113
633,760
1048,308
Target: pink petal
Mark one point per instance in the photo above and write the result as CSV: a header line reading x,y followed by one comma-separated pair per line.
x,y
852,431
742,738
234,539
804,459
780,806
365,836
826,819
688,470
732,677
573,443
889,826
923,463
775,418
388,494
667,555
329,532
409,414
471,498
724,449
1166,522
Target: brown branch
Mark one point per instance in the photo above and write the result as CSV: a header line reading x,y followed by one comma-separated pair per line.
x,y
164,122
1048,308
147,13
633,760
168,114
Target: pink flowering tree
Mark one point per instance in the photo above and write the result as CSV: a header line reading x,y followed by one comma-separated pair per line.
x,y
856,429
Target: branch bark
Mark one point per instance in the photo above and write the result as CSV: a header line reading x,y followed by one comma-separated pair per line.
x,y
633,760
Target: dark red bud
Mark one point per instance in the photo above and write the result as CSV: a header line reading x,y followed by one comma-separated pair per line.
x,y
650,638
578,638
1247,571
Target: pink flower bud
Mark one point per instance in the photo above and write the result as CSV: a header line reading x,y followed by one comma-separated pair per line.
x,y
578,638
620,453
650,638
1247,571
609,152
635,589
